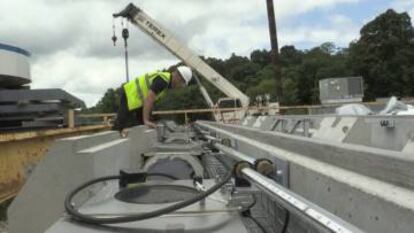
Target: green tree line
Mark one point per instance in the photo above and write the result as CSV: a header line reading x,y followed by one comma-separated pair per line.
x,y
383,56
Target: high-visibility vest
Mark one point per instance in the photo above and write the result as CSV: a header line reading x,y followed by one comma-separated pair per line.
x,y
136,90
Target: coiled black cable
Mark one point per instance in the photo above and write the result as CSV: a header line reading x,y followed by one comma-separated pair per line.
x,y
76,215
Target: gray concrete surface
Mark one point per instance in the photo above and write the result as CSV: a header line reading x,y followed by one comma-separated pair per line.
x,y
370,188
3,227
68,163
342,185
385,165
358,130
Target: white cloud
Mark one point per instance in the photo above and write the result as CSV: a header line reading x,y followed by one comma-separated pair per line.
x,y
70,40
88,77
405,5
341,30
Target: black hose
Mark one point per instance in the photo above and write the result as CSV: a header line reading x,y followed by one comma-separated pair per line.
x,y
75,214
286,223
258,224
246,212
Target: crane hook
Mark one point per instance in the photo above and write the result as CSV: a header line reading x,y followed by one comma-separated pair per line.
x,y
114,38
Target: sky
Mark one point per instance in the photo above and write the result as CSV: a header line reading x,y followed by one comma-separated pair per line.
x,y
71,47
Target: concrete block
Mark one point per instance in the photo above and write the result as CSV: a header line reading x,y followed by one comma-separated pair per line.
x,y
358,184
108,158
385,165
142,139
259,121
84,141
365,210
248,121
61,170
334,128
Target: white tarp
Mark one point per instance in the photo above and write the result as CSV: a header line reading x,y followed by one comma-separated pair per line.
x,y
353,110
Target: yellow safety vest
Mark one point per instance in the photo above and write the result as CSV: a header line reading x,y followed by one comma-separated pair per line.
x,y
137,89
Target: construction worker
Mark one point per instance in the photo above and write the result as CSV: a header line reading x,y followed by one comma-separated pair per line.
x,y
138,96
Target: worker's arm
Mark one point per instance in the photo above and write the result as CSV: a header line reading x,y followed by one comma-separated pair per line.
x,y
148,105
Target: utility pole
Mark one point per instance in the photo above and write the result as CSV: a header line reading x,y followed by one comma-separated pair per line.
x,y
275,50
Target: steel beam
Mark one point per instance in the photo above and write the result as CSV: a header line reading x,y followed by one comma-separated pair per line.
x,y
30,108
40,95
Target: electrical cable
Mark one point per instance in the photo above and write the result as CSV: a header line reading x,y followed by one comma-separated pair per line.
x,y
76,215
287,215
286,223
246,213
258,224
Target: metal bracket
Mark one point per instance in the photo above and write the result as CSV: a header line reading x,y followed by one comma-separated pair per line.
x,y
281,175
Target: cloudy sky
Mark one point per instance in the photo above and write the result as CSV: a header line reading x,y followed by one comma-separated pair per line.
x,y
71,47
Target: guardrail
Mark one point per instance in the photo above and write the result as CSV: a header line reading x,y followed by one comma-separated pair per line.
x,y
107,118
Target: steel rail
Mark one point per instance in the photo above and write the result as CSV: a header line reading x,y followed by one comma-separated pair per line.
x,y
291,201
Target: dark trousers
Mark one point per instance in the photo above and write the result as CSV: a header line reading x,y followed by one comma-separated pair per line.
x,y
125,118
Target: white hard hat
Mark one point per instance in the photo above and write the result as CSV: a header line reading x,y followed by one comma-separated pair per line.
x,y
185,73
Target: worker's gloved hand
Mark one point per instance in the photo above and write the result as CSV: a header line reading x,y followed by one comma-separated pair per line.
x,y
150,124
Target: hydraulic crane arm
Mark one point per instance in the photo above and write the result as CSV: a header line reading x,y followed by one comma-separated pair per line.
x,y
181,51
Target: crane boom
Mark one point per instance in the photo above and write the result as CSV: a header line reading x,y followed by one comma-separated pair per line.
x,y
181,51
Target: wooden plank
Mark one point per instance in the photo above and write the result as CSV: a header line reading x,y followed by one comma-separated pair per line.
x,y
9,137
20,153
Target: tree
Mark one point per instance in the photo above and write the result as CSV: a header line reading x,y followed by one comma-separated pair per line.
x,y
384,55
289,56
109,102
261,57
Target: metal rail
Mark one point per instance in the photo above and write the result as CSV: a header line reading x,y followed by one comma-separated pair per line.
x,y
235,154
300,204
291,201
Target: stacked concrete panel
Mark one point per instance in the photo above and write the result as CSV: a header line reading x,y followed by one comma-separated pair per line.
x,y
21,107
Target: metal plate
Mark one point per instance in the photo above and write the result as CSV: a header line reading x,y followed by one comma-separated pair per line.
x,y
156,194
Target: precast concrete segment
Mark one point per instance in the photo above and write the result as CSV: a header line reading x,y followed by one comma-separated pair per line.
x,y
74,138
383,132
334,128
385,190
389,166
102,147
371,204
62,169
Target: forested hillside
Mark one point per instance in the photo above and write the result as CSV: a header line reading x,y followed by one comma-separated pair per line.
x,y
383,55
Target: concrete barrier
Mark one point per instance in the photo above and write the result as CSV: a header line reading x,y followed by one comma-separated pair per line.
x,y
70,162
